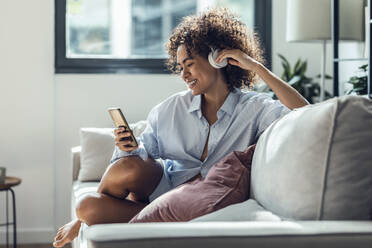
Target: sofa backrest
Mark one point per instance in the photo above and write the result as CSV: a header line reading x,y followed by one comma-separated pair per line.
x,y
316,162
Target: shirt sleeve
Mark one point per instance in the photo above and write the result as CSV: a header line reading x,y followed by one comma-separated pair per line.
x,y
270,111
147,142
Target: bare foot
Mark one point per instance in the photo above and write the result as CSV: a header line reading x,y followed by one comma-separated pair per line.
x,y
67,233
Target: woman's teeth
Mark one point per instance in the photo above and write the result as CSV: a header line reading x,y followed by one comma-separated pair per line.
x,y
191,83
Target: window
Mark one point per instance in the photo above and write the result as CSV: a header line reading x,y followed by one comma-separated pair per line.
x,y
128,36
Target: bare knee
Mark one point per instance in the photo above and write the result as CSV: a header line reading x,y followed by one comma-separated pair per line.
x,y
120,177
86,208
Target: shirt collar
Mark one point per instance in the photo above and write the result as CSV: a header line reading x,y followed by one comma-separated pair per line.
x,y
196,105
228,106
232,99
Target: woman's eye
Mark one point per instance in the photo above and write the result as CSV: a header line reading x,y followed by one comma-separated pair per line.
x,y
190,64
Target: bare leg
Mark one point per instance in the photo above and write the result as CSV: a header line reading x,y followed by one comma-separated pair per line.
x,y
122,193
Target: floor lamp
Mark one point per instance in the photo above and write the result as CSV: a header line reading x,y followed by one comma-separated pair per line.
x,y
310,21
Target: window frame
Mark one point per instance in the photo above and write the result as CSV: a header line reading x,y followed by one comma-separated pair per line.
x,y
145,65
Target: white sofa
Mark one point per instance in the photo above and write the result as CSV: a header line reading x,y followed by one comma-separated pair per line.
x,y
311,186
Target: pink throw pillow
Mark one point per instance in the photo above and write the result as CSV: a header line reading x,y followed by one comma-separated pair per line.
x,y
226,183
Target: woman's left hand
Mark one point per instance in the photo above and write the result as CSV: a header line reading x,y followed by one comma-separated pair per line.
x,y
238,58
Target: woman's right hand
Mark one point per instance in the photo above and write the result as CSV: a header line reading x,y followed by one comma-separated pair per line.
x,y
123,139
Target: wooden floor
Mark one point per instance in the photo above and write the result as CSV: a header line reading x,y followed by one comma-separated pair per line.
x,y
34,246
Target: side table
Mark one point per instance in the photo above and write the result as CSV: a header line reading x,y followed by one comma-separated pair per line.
x,y
7,186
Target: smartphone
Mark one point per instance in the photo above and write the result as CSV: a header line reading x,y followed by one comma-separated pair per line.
x,y
120,121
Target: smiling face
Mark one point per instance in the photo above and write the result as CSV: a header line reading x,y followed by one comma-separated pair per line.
x,y
196,71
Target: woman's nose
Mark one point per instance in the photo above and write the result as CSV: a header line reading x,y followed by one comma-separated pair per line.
x,y
185,74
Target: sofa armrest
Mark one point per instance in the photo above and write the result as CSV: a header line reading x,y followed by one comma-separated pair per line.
x,y
75,151
232,234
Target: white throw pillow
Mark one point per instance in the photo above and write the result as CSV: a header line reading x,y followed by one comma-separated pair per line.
x,y
97,147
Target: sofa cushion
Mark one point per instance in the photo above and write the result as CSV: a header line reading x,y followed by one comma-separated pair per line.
x,y
248,210
97,147
316,162
226,183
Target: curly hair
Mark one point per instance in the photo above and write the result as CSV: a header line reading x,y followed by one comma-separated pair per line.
x,y
221,29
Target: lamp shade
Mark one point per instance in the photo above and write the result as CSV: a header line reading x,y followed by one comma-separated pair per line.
x,y
310,20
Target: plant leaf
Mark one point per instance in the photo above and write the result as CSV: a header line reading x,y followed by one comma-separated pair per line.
x,y
287,68
327,76
294,80
283,58
297,65
286,72
303,69
364,67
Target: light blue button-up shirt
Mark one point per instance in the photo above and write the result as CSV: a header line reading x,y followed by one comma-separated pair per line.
x,y
177,131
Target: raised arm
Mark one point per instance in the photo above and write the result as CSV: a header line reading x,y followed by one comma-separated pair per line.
x,y
286,93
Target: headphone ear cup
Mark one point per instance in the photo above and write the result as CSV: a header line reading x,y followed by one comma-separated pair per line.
x,y
212,56
211,60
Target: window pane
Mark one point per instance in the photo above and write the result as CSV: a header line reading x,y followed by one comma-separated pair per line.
x,y
88,28
244,8
152,23
125,29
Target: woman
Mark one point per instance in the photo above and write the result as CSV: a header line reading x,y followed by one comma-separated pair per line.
x,y
190,131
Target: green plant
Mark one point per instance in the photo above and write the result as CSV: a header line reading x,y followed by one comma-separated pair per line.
x,y
297,79
359,83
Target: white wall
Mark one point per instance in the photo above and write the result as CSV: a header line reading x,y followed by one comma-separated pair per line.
x,y
26,107
41,112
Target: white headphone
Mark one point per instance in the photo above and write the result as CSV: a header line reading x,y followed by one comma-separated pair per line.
x,y
212,56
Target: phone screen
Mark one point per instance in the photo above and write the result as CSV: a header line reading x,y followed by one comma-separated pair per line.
x,y
119,121
118,118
